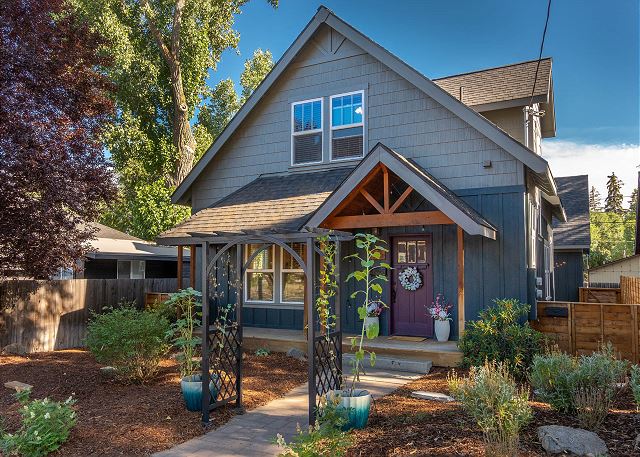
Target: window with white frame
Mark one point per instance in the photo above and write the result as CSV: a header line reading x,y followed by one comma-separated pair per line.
x,y
131,269
292,275
547,271
347,126
259,276
306,132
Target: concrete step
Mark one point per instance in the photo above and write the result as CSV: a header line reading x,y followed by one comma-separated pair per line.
x,y
390,363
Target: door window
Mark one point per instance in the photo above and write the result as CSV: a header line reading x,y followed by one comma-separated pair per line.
x,y
411,251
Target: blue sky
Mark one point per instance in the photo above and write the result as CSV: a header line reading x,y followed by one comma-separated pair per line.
x,y
595,47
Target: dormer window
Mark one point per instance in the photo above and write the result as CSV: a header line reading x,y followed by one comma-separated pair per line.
x,y
306,132
347,126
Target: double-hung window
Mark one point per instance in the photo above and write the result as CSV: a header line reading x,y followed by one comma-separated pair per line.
x,y
306,132
292,275
131,269
347,126
259,275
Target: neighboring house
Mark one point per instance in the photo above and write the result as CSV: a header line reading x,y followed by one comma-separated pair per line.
x,y
608,275
116,255
343,135
571,239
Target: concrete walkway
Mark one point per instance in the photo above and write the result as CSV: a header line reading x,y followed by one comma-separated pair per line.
x,y
251,434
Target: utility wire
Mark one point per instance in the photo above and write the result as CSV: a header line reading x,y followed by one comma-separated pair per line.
x,y
544,34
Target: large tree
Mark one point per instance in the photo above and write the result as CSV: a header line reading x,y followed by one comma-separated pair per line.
x,y
613,202
163,52
53,174
595,201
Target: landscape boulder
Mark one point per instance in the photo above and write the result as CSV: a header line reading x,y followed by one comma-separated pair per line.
x,y
297,354
14,349
557,439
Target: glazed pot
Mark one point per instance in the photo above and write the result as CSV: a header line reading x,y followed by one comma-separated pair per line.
x,y
371,320
358,406
192,391
442,329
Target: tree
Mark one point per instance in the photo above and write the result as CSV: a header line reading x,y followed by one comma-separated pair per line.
x,y
595,201
611,237
633,202
613,202
163,53
53,104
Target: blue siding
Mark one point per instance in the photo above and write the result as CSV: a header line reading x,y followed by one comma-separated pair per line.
x,y
292,319
568,275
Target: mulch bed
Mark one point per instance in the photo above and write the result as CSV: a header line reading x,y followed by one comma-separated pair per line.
x,y
133,420
403,426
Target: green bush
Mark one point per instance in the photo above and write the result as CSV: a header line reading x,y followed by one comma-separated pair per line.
x,y
45,427
131,341
635,384
553,379
499,336
490,395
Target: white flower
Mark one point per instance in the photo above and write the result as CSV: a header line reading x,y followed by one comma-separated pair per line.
x,y
47,416
33,415
442,314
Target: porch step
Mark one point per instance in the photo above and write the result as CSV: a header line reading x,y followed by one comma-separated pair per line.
x,y
391,363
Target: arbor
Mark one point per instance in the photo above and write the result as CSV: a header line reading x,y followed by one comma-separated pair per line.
x,y
595,201
53,103
163,53
613,202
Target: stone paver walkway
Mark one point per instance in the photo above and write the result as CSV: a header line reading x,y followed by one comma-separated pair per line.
x,y
251,434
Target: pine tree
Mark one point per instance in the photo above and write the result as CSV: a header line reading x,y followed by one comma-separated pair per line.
x,y
613,202
633,202
595,201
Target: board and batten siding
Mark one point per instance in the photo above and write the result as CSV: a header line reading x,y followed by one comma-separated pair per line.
x,y
396,114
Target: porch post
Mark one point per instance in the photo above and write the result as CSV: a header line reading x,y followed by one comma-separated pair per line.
x,y
192,267
180,249
206,395
308,301
460,257
239,298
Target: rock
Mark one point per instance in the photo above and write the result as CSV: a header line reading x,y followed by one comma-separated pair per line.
x,y
433,396
14,349
557,439
297,354
109,372
244,356
18,386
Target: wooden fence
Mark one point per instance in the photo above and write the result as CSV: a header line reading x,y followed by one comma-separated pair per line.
x,y
48,315
580,328
599,295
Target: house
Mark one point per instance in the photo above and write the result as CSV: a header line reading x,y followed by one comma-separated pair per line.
x,y
117,255
344,135
571,239
608,275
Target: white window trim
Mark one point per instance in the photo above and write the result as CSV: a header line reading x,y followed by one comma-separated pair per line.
x,y
307,132
253,270
281,274
349,126
144,269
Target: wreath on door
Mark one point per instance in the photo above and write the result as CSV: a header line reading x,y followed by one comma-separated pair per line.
x,y
410,278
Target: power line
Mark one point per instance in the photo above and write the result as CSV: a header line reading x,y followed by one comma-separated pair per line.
x,y
544,34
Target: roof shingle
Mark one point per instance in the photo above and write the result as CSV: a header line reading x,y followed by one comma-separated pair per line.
x,y
574,193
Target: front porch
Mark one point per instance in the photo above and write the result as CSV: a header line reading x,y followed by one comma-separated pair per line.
x,y
444,354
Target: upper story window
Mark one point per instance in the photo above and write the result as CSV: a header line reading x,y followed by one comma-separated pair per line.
x,y
306,132
347,126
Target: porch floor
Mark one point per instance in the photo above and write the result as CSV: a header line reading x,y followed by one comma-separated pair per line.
x,y
279,340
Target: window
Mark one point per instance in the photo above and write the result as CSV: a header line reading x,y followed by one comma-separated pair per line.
x,y
131,269
306,132
347,126
412,252
259,275
291,275
547,271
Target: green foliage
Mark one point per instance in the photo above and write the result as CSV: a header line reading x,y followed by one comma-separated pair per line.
x,y
595,201
325,439
490,395
612,236
557,377
371,274
613,202
498,335
262,352
635,384
45,427
131,341
328,283
189,309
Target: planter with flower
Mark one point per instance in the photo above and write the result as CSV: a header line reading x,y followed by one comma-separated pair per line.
x,y
357,402
440,312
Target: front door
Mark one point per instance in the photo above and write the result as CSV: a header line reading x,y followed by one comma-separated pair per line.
x,y
409,307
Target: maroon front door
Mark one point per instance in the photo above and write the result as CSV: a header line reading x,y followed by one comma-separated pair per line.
x,y
409,307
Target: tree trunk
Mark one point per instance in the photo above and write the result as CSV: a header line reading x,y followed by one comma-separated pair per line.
x,y
183,138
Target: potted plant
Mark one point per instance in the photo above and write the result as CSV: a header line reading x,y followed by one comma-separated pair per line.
x,y
356,401
373,314
439,311
188,308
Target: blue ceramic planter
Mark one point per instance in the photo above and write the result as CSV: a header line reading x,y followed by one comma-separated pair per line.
x,y
192,391
358,406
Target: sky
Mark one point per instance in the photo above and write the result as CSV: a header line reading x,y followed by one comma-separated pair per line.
x,y
595,47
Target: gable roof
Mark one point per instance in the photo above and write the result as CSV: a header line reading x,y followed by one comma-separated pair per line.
x,y
615,262
532,160
574,233
422,182
269,202
109,243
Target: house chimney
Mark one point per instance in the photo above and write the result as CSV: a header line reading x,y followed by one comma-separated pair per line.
x,y
462,94
637,249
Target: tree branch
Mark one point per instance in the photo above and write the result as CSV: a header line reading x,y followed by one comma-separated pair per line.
x,y
166,52
175,34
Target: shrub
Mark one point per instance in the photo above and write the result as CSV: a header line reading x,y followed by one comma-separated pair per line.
x,y
553,377
498,335
188,306
45,427
490,395
262,352
635,384
131,341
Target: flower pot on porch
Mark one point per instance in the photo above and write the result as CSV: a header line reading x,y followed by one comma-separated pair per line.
x,y
442,330
192,391
358,406
371,320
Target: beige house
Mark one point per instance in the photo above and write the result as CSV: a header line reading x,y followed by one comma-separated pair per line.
x,y
608,275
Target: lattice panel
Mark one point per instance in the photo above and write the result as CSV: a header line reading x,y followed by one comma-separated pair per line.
x,y
225,357
327,363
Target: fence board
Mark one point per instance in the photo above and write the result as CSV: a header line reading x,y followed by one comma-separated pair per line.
x,y
48,315
599,295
